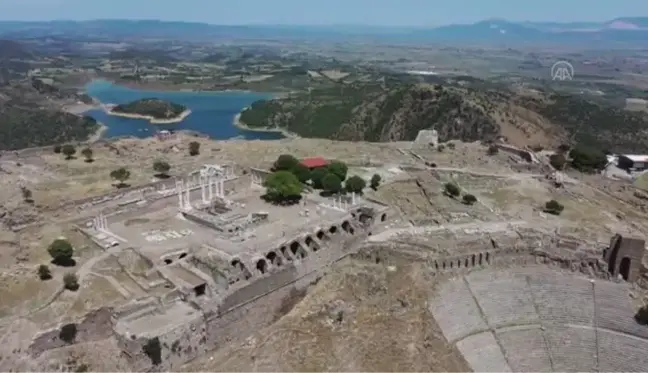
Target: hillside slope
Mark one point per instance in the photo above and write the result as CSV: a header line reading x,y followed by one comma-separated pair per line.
x,y
368,112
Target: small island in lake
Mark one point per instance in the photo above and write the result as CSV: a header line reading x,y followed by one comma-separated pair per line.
x,y
152,109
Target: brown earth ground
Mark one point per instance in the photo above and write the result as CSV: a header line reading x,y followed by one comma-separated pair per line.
x,y
362,316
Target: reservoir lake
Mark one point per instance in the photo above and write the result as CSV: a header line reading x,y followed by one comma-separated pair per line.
x,y
212,113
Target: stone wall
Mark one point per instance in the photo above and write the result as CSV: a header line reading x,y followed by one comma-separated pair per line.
x,y
95,326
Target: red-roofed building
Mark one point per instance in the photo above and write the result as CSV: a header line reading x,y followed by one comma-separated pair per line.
x,y
315,162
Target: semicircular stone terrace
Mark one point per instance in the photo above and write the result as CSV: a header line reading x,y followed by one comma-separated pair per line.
x,y
539,320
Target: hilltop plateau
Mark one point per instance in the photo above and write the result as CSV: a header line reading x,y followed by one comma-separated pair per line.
x,y
340,322
371,112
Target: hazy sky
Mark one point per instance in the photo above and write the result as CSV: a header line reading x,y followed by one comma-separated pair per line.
x,y
365,12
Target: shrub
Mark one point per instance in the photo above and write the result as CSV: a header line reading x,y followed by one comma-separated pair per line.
x,y
355,184
61,251
451,145
121,174
302,172
71,282
375,181
194,148
563,148
44,272
161,167
68,333
557,161
440,148
469,199
153,350
87,153
26,194
451,190
57,149
492,150
553,207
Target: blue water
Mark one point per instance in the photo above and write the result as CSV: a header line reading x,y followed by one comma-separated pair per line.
x,y
212,113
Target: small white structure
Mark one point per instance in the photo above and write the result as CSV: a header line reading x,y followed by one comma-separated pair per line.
x,y
341,204
100,223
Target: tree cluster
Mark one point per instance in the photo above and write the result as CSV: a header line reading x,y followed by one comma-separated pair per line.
x,y
452,190
586,159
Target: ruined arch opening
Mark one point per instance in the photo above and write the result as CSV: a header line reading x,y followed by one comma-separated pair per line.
x,y
311,244
480,259
284,252
274,259
451,264
168,261
467,263
473,260
346,226
182,256
333,229
624,267
200,290
365,219
321,235
236,263
444,265
262,266
487,259
297,250
436,265
383,217
458,263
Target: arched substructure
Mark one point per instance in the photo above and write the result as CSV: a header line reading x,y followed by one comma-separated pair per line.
x,y
168,261
262,266
297,250
182,256
333,230
624,268
473,260
274,259
322,236
383,217
346,226
467,263
487,258
312,244
284,252
243,271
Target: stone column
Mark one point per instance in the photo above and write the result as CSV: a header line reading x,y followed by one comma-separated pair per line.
x,y
210,185
221,188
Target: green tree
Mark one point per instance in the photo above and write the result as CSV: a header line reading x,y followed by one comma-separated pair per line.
x,y
339,169
61,251
553,207
194,148
317,176
587,159
68,150
162,168
469,199
57,149
451,190
44,272
285,162
557,161
153,350
641,317
375,181
71,281
68,333
282,187
302,172
87,153
451,146
332,183
121,175
355,184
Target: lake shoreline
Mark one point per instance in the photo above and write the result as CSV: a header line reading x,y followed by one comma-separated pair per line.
x,y
239,124
79,109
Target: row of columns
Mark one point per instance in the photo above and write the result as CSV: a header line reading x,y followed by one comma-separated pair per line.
x,y
339,204
210,187
184,200
256,179
100,222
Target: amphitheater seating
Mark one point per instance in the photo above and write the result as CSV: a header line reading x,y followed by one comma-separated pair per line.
x,y
621,353
572,349
563,299
461,316
504,299
614,310
536,320
526,350
483,353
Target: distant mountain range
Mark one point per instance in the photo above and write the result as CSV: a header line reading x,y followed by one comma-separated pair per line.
x,y
630,31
